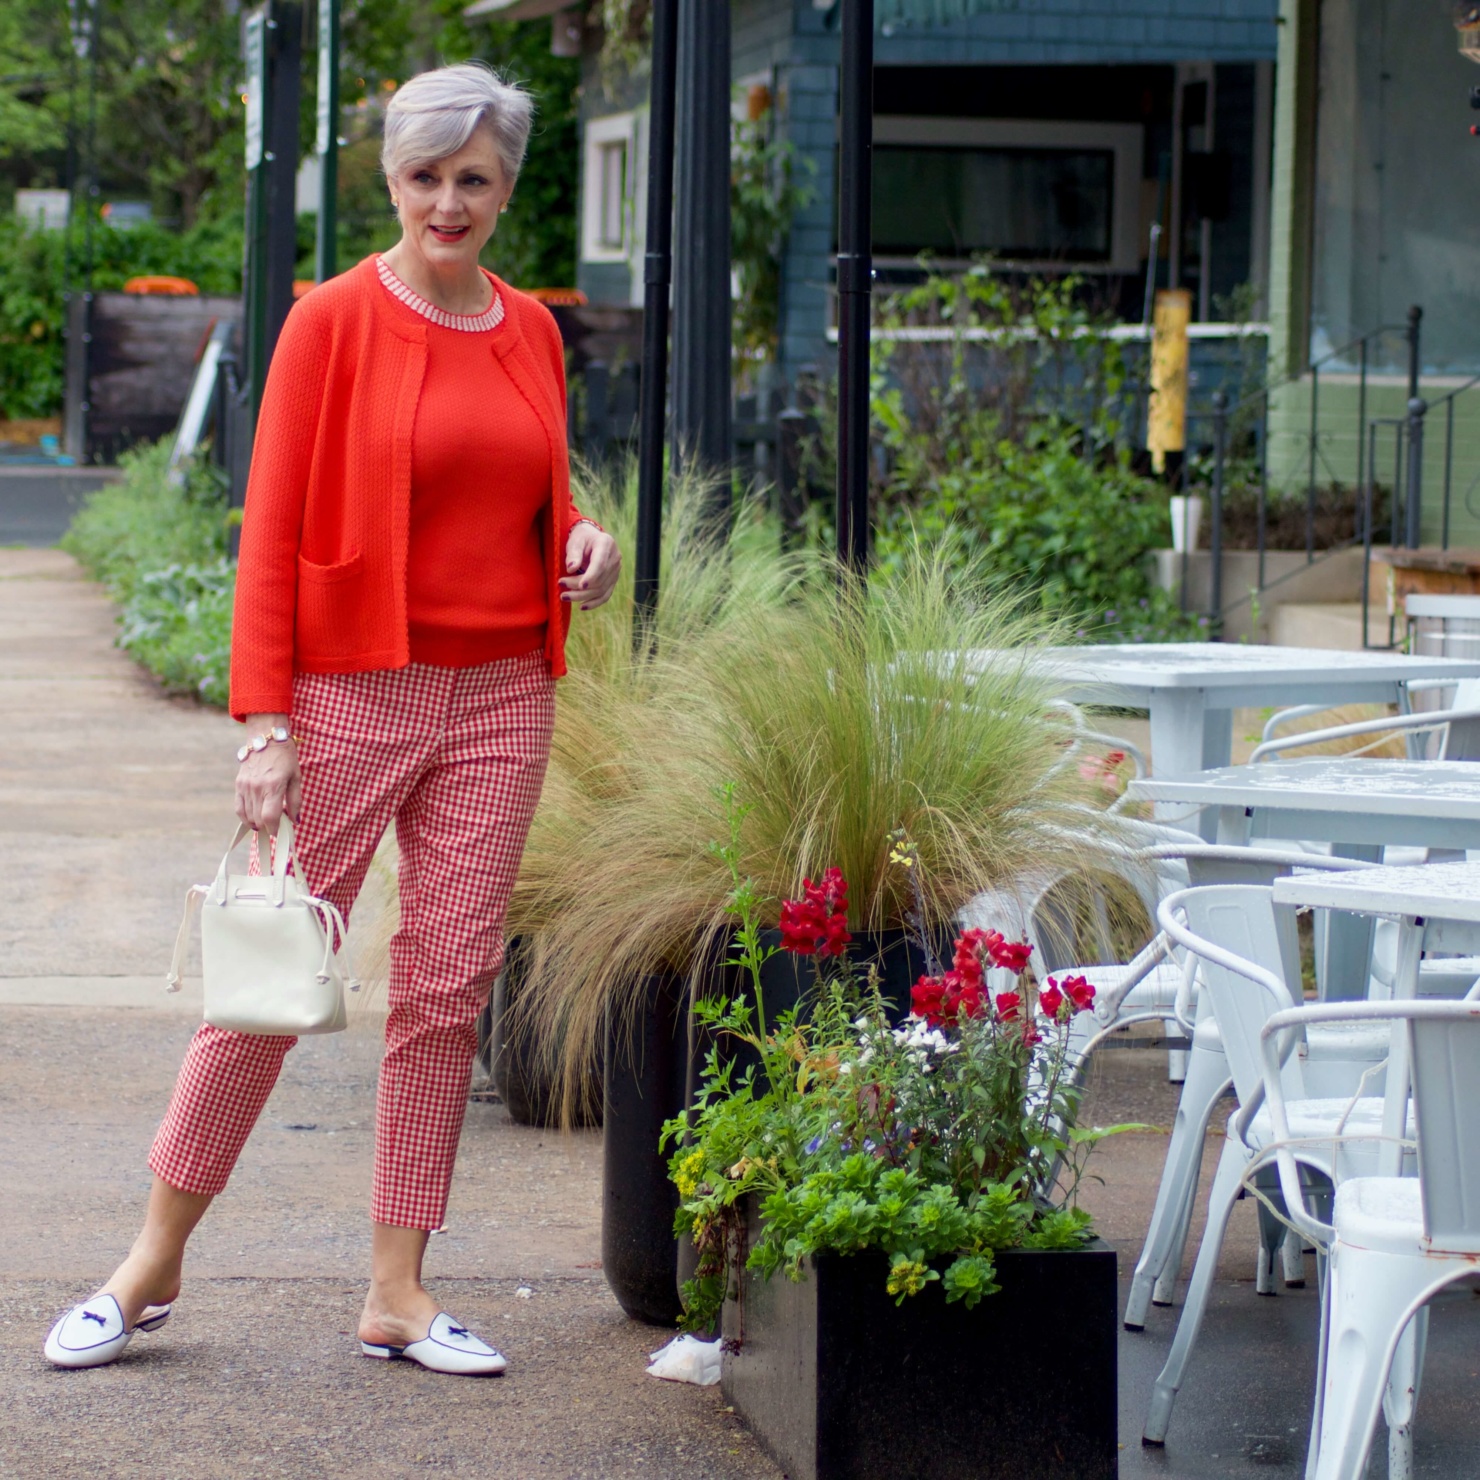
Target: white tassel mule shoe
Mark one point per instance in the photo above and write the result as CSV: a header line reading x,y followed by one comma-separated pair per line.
x,y
447,1347
93,1334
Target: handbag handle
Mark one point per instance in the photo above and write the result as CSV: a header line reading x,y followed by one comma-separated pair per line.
x,y
282,853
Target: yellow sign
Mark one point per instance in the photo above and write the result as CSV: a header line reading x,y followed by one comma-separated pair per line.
x,y
1166,429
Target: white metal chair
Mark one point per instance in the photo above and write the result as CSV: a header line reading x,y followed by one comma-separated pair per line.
x,y
1459,739
1446,626
1392,1242
1334,1062
1248,953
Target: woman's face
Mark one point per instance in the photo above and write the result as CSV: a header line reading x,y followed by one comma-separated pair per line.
x,y
449,208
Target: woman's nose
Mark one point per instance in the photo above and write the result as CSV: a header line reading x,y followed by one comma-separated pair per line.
x,y
449,201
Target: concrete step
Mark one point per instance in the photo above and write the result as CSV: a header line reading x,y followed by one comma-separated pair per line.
x,y
1327,624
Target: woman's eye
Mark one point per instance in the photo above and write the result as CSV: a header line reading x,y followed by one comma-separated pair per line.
x,y
475,180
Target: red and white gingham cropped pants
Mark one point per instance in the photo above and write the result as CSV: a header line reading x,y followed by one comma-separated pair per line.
x,y
456,756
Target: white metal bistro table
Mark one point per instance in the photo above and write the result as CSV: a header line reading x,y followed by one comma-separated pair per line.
x,y
1192,688
1356,804
1437,907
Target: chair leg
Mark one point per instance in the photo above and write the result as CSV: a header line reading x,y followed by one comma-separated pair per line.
x,y
1401,1397
1293,1254
1370,1295
1313,1448
1164,1292
1271,1231
1207,1077
1220,1204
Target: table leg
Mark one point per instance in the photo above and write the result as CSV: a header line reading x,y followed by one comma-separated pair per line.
x,y
1348,954
1233,826
1187,737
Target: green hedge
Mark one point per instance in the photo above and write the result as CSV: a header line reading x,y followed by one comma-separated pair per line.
x,y
161,551
36,267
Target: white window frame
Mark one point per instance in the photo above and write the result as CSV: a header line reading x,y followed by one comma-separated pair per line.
x,y
601,133
1125,141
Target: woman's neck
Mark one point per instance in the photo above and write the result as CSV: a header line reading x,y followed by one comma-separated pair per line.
x,y
467,291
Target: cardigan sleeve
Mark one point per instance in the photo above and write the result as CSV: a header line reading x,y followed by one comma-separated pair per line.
x,y
272,524
555,348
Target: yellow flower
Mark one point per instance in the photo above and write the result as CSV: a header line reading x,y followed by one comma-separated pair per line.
x,y
687,1175
908,1277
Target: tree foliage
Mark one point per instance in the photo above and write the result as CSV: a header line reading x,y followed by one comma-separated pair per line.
x,y
170,116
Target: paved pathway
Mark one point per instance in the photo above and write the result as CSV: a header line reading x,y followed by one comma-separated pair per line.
x,y
112,800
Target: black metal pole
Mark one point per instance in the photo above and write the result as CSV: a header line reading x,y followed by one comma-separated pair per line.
x,y
701,289
855,279
285,56
1415,321
1413,504
657,274
1215,580
326,143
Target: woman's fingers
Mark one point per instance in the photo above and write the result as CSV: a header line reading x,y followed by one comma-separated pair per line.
x,y
268,783
595,554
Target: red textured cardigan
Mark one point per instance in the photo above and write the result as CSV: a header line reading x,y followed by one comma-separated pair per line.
x,y
321,585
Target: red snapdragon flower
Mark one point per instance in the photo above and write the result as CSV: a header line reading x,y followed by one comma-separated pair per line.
x,y
817,924
1008,1006
1012,955
1079,992
943,1000
1050,999
969,947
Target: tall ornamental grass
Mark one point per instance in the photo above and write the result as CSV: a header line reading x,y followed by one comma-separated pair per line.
x,y
839,714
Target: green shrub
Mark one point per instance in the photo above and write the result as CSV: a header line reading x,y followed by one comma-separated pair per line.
x,y
1036,515
37,266
1004,447
160,548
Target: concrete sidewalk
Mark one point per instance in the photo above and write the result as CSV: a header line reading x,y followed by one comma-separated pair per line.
x,y
112,800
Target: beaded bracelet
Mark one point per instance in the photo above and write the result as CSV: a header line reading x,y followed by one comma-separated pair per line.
x,y
279,734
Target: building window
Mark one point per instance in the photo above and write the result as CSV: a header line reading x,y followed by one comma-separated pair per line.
x,y
1026,191
1040,204
611,186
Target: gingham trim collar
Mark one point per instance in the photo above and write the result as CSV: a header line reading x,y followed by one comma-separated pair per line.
x,y
469,323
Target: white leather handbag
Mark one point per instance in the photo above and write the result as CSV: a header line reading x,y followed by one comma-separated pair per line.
x,y
267,948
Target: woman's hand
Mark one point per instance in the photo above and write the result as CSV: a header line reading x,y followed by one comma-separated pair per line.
x,y
268,782
592,563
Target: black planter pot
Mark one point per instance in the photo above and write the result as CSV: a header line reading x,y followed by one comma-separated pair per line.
x,y
644,1086
524,1081
840,1383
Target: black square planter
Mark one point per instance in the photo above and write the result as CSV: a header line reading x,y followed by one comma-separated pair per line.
x,y
840,1383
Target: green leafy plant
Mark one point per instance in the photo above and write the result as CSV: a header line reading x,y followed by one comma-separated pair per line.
x,y
764,196
1000,414
1037,516
159,547
937,1142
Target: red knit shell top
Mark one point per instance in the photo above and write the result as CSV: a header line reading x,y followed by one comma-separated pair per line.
x,y
326,582
480,488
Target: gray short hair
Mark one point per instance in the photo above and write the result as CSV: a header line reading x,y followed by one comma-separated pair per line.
x,y
434,115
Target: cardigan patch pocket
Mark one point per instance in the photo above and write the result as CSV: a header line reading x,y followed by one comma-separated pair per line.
x,y
342,570
332,621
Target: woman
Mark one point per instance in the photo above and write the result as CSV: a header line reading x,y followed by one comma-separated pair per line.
x,y
409,560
